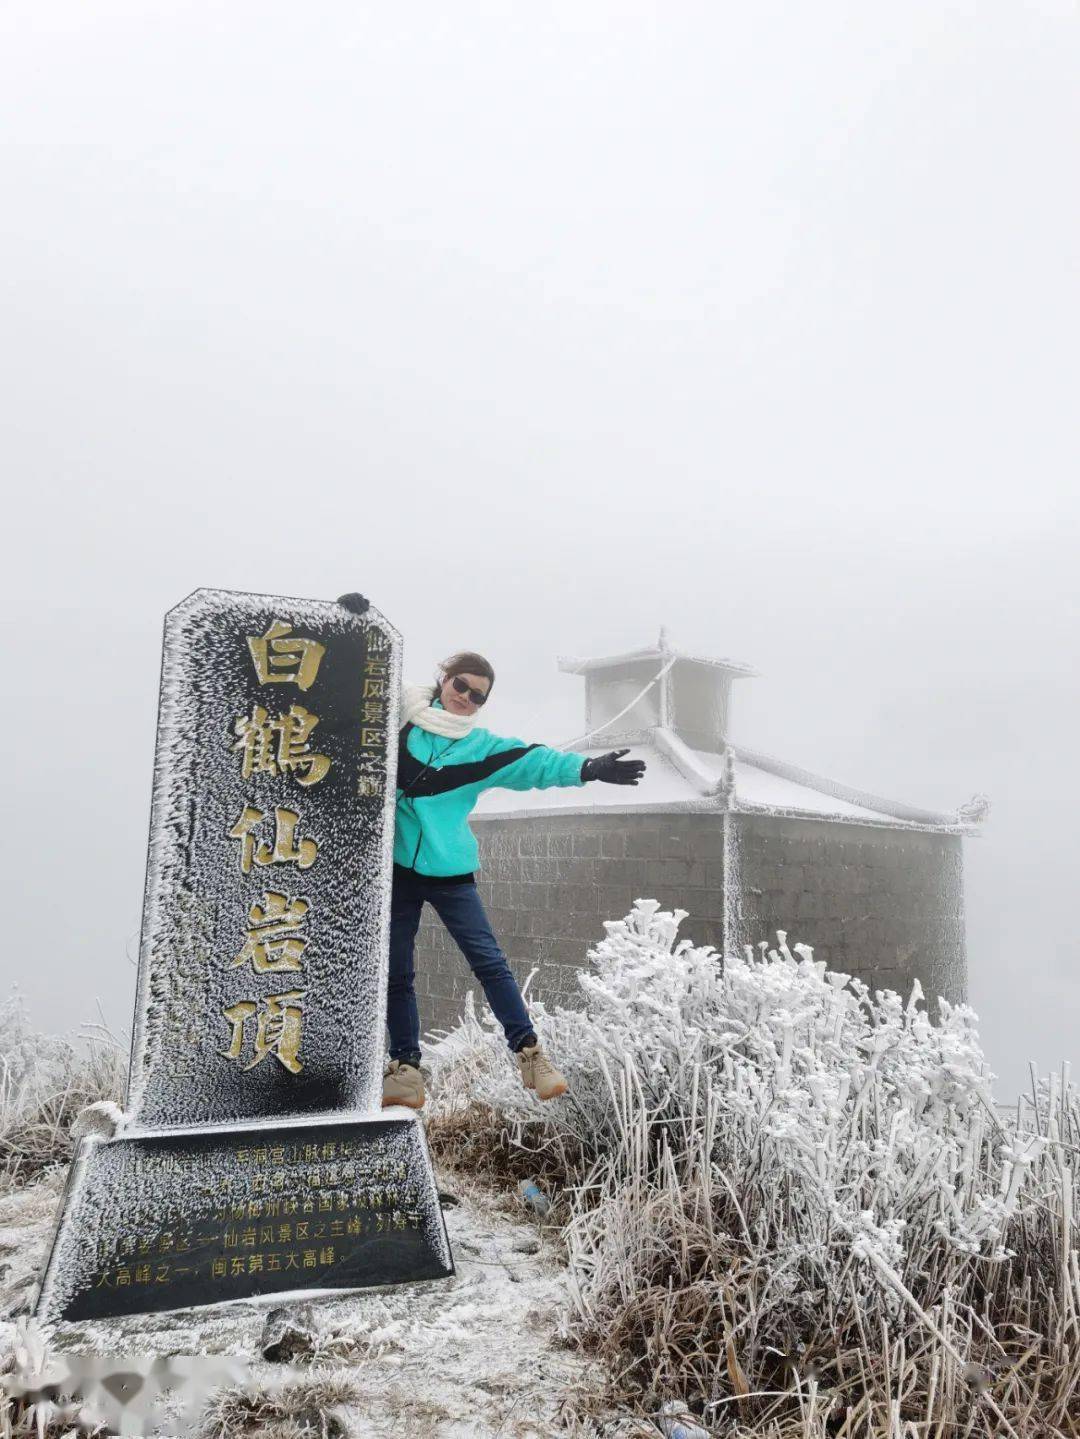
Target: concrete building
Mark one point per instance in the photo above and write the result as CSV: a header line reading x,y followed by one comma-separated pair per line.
x,y
746,843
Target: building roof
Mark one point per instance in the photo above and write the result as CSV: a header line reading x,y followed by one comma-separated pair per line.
x,y
679,779
662,651
680,776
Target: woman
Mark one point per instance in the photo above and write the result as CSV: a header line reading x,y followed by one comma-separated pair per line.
x,y
445,762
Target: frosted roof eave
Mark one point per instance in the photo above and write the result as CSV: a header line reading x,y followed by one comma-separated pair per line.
x,y
716,806
574,665
762,785
847,794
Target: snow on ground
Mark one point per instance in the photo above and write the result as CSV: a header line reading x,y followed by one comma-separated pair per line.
x,y
476,1356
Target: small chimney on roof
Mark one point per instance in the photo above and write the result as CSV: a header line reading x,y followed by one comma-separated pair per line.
x,y
628,695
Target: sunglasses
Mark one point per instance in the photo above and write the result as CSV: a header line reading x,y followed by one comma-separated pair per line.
x,y
477,696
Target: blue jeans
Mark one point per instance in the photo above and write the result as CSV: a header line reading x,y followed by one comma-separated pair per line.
x,y
460,908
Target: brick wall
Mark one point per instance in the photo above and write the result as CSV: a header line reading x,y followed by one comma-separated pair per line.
x,y
884,905
548,885
881,904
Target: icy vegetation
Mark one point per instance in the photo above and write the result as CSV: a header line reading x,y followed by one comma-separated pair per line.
x,y
45,1083
790,1201
784,1207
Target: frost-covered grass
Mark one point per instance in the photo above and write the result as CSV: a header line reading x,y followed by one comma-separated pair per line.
x,y
44,1082
312,1407
788,1200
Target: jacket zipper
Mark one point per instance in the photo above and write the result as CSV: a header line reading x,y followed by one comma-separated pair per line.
x,y
416,781
419,837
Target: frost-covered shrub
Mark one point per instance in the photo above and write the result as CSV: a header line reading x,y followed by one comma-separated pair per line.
x,y
779,1167
849,1097
45,1082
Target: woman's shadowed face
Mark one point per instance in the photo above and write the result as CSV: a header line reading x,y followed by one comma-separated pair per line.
x,y
462,704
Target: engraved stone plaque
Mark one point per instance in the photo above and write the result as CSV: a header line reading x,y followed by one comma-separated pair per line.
x,y
262,980
171,1219
261,1000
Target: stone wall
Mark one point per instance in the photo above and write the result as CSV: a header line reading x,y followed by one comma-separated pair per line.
x,y
882,904
548,885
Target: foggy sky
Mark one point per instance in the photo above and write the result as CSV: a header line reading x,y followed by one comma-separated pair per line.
x,y
544,326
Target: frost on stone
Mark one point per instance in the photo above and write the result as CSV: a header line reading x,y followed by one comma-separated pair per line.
x,y
176,1218
261,987
103,1118
249,840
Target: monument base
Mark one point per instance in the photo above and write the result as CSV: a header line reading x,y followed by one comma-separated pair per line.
x,y
172,1218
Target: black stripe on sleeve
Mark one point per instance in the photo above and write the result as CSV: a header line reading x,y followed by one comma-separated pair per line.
x,y
421,781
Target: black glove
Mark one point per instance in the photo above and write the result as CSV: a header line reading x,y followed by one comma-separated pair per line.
x,y
613,770
356,604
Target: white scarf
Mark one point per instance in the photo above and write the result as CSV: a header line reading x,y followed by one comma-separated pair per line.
x,y
416,705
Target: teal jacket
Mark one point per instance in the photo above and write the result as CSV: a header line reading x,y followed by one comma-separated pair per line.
x,y
439,781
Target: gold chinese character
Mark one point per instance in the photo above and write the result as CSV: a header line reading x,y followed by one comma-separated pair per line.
x,y
272,941
374,688
284,851
255,737
372,736
285,661
277,1029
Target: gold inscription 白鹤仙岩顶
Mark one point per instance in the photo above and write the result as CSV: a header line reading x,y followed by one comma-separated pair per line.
x,y
277,1031
285,849
274,745
281,657
273,942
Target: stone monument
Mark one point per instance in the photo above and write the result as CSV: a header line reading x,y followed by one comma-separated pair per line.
x,y
254,1157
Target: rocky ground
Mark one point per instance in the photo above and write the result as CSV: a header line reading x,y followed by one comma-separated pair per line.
x,y
477,1356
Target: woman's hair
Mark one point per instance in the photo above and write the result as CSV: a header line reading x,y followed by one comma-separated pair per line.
x,y
466,662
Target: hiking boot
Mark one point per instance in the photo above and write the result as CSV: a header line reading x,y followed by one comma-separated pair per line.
x,y
538,1072
403,1084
